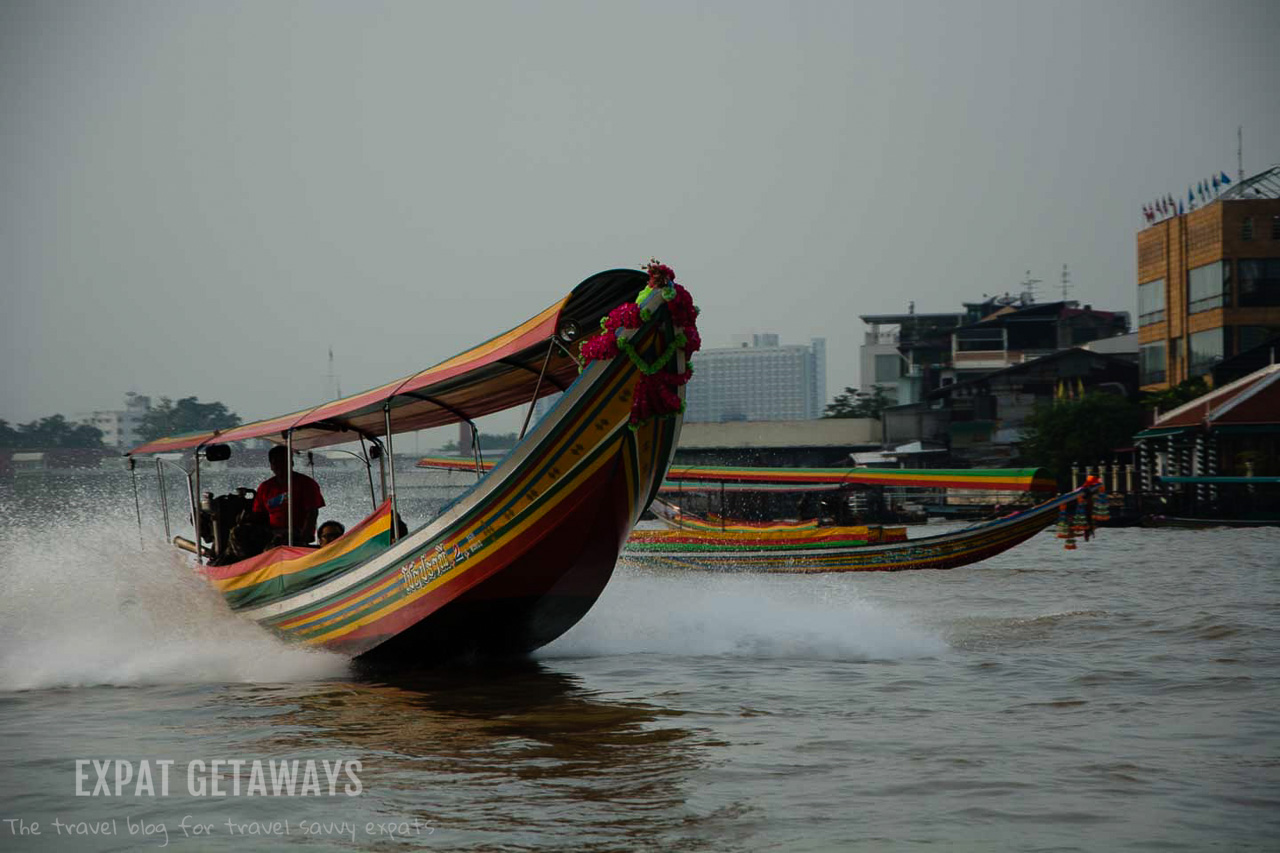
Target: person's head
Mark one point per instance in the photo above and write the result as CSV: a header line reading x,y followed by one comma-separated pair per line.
x,y
329,531
278,459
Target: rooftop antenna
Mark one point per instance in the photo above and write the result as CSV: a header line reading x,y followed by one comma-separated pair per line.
x,y
331,381
1029,287
1066,282
1239,153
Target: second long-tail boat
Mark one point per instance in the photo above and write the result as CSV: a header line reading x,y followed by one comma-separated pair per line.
x,y
521,556
693,541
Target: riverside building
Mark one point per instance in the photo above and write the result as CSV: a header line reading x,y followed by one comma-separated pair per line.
x,y
1209,282
758,379
120,426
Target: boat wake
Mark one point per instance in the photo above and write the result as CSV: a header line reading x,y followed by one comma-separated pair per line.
x,y
742,615
83,604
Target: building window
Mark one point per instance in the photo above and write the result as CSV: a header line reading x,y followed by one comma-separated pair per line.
x,y
1259,282
1246,228
1248,337
1151,365
1207,286
980,340
1151,302
1206,350
888,368
1275,228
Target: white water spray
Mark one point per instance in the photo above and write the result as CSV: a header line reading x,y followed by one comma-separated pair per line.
x,y
82,604
743,615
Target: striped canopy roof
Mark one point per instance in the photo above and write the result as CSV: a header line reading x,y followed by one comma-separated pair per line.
x,y
496,375
713,478
1001,479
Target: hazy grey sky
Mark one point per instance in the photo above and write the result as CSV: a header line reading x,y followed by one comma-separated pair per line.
x,y
200,198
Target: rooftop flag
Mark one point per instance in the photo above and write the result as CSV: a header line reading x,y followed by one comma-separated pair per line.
x,y
1225,179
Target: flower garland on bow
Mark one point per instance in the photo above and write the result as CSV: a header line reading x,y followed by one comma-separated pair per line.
x,y
656,393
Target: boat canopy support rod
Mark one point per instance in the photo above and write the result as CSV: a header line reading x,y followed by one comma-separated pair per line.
x,y
395,509
164,493
288,484
137,505
475,430
541,373
193,487
363,456
555,340
363,460
536,388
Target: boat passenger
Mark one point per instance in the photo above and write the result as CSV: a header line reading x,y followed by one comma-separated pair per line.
x,y
329,531
272,500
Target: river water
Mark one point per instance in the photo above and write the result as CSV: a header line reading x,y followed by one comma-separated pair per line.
x,y
1124,696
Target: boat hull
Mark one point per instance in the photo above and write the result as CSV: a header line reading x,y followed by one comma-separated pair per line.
x,y
812,555
543,592
509,566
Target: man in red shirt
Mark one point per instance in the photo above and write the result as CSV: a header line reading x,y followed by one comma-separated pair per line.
x,y
272,500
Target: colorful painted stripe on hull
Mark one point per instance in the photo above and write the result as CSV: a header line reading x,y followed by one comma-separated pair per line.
x,y
364,614
487,531
709,477
578,445
280,571
934,552
774,540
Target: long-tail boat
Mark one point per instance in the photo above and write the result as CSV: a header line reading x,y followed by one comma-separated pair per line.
x,y
697,543
692,541
521,556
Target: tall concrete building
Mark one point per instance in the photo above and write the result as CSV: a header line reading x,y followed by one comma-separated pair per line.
x,y
1209,282
120,427
758,379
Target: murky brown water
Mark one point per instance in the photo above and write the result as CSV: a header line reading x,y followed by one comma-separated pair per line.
x,y
1123,696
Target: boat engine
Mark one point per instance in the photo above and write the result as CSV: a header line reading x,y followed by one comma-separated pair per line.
x,y
217,517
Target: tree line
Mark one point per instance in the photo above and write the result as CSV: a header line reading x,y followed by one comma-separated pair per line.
x,y
170,417
53,431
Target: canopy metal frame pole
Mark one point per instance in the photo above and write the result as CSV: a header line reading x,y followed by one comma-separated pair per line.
x,y
164,494
555,340
288,485
475,450
475,430
164,497
368,470
363,459
137,505
395,510
536,388
193,488
382,472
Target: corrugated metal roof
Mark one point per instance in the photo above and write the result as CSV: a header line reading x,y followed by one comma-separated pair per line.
x,y
1247,400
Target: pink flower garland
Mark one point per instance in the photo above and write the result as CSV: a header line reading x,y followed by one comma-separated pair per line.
x,y
656,393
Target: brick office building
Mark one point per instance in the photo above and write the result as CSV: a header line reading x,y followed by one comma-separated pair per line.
x,y
1209,282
